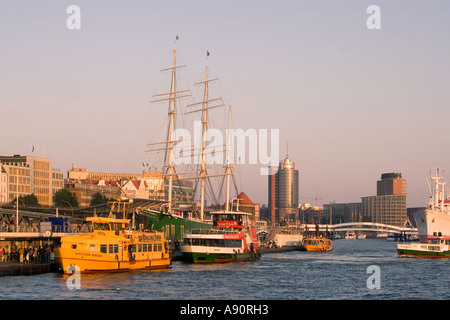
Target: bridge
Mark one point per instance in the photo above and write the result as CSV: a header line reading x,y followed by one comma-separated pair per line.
x,y
359,226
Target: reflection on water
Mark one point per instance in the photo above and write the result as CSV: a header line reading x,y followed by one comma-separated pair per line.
x,y
339,274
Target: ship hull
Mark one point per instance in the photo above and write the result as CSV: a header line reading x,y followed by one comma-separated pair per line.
x,y
431,223
173,226
89,262
197,257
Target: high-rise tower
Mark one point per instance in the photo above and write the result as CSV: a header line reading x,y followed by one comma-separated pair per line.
x,y
283,190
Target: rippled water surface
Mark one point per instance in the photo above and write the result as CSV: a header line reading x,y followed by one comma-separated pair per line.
x,y
339,274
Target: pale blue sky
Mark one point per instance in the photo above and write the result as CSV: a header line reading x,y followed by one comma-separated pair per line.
x,y
353,103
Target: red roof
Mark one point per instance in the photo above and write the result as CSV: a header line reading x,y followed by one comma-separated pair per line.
x,y
244,199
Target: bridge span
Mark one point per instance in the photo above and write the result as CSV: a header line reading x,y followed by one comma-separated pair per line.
x,y
360,226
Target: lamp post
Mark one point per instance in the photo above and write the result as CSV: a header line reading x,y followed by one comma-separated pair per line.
x,y
69,205
17,200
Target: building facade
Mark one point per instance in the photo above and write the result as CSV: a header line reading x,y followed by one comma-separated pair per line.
x,y
342,212
389,205
146,185
283,191
243,203
28,174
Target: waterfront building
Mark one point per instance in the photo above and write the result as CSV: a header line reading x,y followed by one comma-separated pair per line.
x,y
391,183
283,190
342,212
3,185
389,205
146,185
28,174
244,204
136,189
85,190
309,214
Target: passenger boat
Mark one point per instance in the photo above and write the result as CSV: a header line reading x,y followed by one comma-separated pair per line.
x,y
350,235
436,248
316,244
112,247
433,224
230,239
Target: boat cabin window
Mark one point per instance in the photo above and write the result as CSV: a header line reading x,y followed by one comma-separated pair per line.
x,y
92,247
103,248
113,248
102,226
225,243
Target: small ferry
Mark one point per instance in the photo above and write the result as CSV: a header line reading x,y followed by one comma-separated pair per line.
x,y
350,235
113,247
437,247
230,239
316,244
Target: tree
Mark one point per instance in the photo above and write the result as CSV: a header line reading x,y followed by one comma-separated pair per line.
x,y
27,200
65,198
98,198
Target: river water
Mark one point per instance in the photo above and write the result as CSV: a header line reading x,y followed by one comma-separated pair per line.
x,y
368,269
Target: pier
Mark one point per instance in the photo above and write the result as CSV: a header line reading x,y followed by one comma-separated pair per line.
x,y
22,269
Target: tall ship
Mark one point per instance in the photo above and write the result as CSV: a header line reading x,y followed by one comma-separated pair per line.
x,y
176,218
112,246
433,224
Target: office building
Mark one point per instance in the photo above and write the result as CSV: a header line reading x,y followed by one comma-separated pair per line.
x,y
30,175
283,191
389,205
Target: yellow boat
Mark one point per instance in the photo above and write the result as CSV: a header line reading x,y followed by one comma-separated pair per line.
x,y
112,247
316,244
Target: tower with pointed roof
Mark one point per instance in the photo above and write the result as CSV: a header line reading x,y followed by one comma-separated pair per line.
x,y
283,190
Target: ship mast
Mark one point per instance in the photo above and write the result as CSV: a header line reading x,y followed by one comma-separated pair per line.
x,y
171,97
204,124
228,167
205,107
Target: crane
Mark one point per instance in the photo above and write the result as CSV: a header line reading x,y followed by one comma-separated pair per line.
x,y
316,198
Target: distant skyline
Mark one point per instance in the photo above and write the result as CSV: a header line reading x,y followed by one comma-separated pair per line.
x,y
353,103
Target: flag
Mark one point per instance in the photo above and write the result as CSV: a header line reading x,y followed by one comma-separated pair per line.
x,y
177,38
207,53
32,149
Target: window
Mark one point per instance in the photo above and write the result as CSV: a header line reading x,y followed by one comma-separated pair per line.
x,y
103,248
92,247
74,246
111,248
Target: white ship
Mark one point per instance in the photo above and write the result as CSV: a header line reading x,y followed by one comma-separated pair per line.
x,y
434,220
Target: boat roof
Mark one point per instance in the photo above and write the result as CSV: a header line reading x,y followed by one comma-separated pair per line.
x,y
230,212
105,219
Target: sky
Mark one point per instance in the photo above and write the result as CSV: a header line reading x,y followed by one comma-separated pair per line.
x,y
351,102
